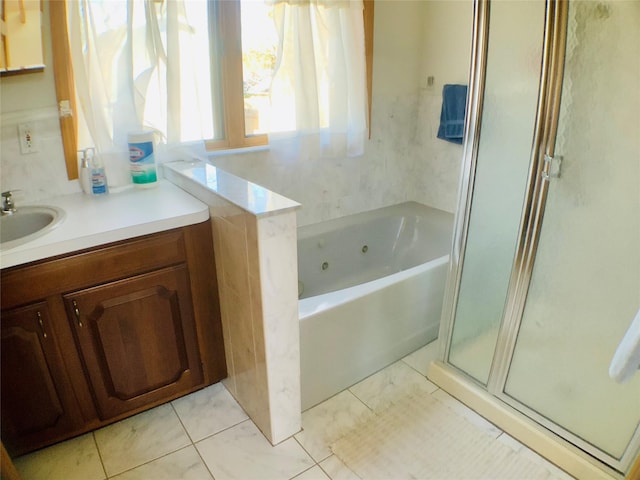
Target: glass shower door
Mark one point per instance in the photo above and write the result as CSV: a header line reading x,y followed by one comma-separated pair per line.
x,y
511,92
585,285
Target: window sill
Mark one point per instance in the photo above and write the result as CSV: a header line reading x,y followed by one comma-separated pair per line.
x,y
234,151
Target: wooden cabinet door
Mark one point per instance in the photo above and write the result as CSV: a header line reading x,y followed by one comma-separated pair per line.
x,y
38,405
137,339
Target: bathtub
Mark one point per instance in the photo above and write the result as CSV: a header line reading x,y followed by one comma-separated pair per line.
x,y
371,287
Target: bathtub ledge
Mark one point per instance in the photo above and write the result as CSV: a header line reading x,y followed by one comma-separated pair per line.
x,y
252,198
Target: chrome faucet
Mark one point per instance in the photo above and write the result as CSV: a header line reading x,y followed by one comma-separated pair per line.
x,y
8,207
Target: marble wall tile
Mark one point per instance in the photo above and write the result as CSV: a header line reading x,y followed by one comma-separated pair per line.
x,y
277,238
261,387
401,163
436,172
233,253
247,373
230,381
237,319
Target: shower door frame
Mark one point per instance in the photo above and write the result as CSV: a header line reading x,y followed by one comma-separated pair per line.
x,y
543,146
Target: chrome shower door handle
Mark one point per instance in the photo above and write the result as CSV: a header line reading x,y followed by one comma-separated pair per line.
x,y
552,166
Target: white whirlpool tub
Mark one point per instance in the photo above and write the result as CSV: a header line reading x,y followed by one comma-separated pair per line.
x,y
371,289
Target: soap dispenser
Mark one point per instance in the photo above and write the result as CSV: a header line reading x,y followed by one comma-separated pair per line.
x,y
85,171
98,176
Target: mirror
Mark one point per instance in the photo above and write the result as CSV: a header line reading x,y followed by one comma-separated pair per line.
x,y
21,31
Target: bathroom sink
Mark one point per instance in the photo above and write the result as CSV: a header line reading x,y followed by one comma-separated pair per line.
x,y
28,223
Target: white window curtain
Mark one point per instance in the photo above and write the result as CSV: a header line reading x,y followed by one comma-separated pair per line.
x,y
319,93
145,64
131,72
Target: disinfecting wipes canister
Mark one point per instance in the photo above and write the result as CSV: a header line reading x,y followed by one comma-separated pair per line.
x,y
142,162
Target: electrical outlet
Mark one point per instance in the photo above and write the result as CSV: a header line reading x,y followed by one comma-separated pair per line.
x,y
27,138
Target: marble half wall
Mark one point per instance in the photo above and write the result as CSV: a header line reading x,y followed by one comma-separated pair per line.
x,y
257,270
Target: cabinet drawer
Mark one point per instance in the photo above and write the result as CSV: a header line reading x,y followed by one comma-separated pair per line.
x,y
137,339
104,264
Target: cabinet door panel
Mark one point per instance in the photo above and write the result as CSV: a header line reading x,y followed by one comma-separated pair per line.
x,y
138,339
35,403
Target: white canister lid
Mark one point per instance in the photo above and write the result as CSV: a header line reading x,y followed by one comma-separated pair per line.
x,y
141,137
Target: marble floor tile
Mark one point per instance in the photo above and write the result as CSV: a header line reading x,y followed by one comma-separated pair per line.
x,y
140,439
184,464
337,470
75,459
555,473
421,358
208,411
510,442
314,473
460,408
330,420
242,452
559,474
391,384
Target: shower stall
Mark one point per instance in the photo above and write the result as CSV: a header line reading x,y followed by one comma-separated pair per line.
x,y
545,271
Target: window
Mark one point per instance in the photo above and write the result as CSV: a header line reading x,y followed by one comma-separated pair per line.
x,y
248,35
248,72
224,101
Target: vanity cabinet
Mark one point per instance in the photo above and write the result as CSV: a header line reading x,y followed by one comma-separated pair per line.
x,y
137,339
98,335
37,401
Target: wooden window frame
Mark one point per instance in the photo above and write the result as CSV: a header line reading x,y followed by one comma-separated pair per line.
x,y
65,86
229,26
228,23
368,51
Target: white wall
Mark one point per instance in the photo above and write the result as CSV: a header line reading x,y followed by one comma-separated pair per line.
x,y
402,161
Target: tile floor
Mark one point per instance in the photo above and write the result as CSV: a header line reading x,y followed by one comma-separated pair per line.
x,y
206,435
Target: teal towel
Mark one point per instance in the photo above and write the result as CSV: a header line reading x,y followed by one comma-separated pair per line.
x,y
454,100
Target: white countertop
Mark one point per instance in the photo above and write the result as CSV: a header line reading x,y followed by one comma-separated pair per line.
x,y
252,198
92,221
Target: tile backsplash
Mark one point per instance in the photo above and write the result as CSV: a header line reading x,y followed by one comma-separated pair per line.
x,y
37,175
402,161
